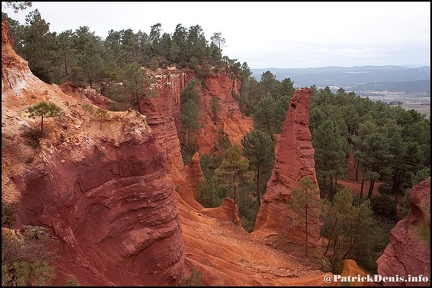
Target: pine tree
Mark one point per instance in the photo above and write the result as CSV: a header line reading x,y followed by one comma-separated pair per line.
x,y
305,199
232,167
44,109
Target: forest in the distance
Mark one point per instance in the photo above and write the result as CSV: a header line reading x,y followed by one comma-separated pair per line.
x,y
391,145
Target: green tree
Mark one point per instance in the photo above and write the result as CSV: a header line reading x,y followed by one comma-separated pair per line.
x,y
232,167
65,53
258,148
421,175
18,5
265,115
330,153
90,52
155,37
179,38
102,115
218,40
26,258
235,72
137,84
91,62
37,46
196,42
245,89
305,199
44,109
349,230
215,107
190,115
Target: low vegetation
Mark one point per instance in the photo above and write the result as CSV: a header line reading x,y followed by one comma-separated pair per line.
x,y
26,260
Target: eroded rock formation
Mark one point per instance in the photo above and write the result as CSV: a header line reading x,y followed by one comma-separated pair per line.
x,y
163,111
107,192
228,120
406,255
102,189
294,159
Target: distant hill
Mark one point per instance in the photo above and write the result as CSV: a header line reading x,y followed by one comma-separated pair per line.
x,y
357,78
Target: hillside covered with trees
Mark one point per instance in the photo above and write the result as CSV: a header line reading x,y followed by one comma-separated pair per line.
x,y
390,146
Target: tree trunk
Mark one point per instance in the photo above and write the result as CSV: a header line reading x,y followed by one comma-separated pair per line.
x,y
324,186
361,189
356,169
331,189
335,189
187,139
258,186
371,187
353,243
396,183
232,88
306,244
268,126
333,228
235,197
138,103
42,124
66,69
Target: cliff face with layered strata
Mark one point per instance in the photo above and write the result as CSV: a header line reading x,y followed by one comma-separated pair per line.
x,y
294,159
102,189
106,192
406,255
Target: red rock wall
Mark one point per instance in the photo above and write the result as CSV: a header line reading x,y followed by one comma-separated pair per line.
x,y
102,190
294,159
114,213
405,254
163,112
229,119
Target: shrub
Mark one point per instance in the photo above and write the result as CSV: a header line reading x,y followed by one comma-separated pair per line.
x,y
26,259
32,136
195,278
8,214
384,206
72,282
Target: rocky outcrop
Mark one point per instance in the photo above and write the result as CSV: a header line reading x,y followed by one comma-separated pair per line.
x,y
86,94
294,159
114,211
193,173
163,110
228,121
102,189
407,255
106,194
228,211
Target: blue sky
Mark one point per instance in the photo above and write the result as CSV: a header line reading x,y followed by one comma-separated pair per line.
x,y
269,34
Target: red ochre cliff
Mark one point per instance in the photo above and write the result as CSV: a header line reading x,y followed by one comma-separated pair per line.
x,y
294,159
406,255
103,191
116,196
